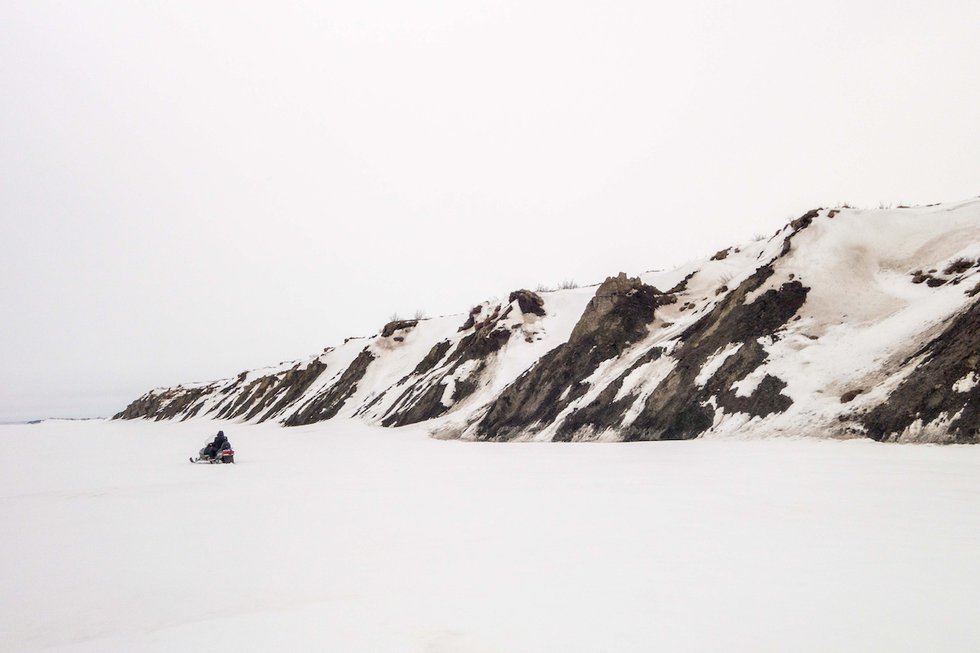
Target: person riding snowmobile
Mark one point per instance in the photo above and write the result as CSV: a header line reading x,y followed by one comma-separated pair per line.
x,y
220,443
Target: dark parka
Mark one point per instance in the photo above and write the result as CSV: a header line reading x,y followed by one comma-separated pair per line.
x,y
220,443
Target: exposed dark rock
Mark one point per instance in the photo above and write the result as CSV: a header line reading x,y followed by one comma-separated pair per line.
x,y
767,399
488,336
804,220
618,313
397,325
682,284
481,344
371,404
247,396
678,408
771,310
927,393
192,412
328,402
797,226
604,411
850,395
722,255
432,358
292,386
166,404
419,401
616,317
935,282
272,393
530,303
471,318
427,406
145,406
463,389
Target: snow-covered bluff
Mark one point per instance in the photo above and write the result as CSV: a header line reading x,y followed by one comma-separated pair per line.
x,y
844,323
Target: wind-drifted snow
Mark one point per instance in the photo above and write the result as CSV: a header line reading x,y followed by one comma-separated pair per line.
x,y
644,380
967,383
862,314
715,362
344,537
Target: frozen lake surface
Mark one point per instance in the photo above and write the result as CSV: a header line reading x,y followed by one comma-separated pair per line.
x,y
342,537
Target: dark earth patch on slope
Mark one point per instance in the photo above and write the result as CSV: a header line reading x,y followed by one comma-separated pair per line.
x,y
291,387
928,392
675,409
329,402
255,390
529,302
423,399
604,411
432,358
397,325
261,393
678,408
615,317
166,404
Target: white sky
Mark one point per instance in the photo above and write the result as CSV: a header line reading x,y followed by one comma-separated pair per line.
x,y
191,189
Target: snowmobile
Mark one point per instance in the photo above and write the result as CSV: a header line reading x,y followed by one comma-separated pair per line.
x,y
226,455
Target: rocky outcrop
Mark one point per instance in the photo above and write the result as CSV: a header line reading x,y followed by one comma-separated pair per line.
x,y
265,397
940,399
328,403
270,395
529,302
166,404
680,407
436,354
424,398
397,325
617,316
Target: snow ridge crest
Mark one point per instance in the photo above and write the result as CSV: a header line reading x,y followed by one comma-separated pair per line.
x,y
845,323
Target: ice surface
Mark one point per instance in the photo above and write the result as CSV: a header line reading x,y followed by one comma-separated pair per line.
x,y
344,537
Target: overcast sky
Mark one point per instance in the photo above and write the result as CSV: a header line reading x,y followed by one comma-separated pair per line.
x,y
191,189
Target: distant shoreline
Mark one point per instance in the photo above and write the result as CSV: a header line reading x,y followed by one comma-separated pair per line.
x,y
45,419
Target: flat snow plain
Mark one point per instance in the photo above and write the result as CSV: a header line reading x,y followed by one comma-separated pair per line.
x,y
342,537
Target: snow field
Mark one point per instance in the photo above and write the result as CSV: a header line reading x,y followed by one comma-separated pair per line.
x,y
345,537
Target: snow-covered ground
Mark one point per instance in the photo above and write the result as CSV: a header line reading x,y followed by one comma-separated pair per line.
x,y
345,537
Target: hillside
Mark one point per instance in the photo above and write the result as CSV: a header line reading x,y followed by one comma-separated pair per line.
x,y
845,323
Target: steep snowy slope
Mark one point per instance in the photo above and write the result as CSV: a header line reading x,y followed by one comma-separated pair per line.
x,y
844,323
